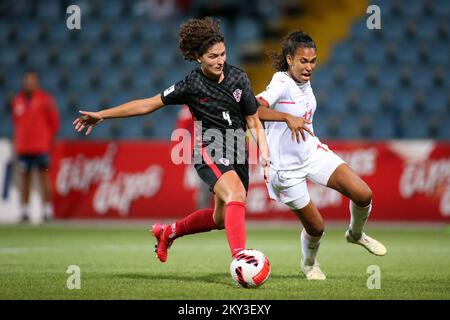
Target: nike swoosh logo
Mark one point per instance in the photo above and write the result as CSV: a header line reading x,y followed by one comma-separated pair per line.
x,y
203,100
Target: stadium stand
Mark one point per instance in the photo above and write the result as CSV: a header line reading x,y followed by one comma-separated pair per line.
x,y
371,84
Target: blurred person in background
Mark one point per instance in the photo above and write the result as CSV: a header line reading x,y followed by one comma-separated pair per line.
x,y
287,107
36,122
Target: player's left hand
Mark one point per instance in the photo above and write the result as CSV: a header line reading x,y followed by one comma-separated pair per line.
x,y
298,125
88,119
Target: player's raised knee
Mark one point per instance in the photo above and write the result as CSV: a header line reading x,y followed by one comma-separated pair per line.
x,y
363,198
316,231
238,196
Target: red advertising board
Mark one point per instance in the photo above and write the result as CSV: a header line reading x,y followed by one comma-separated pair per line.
x,y
410,181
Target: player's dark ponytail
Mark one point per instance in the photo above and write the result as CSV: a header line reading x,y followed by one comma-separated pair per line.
x,y
290,44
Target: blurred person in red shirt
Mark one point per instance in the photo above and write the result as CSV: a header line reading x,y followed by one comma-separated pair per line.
x,y
36,122
185,121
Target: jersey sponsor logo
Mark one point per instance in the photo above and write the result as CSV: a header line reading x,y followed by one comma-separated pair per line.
x,y
169,90
224,161
237,94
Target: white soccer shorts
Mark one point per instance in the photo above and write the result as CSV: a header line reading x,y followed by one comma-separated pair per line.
x,y
289,186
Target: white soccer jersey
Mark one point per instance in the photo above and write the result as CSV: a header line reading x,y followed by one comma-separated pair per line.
x,y
283,94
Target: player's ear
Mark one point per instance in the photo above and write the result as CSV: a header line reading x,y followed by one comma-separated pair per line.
x,y
197,57
289,60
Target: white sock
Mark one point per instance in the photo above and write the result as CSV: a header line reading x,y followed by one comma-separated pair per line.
x,y
48,210
310,246
358,218
25,209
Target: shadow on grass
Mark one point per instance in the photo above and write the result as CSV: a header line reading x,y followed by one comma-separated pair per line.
x,y
218,277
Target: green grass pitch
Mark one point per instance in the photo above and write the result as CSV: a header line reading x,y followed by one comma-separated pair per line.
x,y
118,262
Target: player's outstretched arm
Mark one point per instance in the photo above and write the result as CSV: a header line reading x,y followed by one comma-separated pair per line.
x,y
133,108
296,124
257,132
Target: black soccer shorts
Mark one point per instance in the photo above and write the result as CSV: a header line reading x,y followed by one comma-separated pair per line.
x,y
210,172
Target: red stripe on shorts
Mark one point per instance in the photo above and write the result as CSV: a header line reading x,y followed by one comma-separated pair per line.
x,y
211,164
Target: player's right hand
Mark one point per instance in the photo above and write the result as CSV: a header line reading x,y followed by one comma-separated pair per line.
x,y
298,125
87,120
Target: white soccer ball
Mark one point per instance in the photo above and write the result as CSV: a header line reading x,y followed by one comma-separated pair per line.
x,y
250,268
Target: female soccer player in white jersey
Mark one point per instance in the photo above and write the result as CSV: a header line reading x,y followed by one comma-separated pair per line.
x,y
287,106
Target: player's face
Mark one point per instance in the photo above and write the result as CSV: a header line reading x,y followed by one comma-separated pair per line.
x,y
302,64
30,82
213,60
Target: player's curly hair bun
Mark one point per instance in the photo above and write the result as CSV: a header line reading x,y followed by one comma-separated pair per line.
x,y
197,35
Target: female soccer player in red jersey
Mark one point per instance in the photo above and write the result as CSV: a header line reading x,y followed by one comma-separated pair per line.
x,y
219,97
289,103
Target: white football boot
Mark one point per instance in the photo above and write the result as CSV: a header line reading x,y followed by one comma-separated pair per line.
x,y
372,245
312,272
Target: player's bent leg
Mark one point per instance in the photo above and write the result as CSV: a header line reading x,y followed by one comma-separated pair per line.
x,y
219,212
198,221
310,237
348,183
230,190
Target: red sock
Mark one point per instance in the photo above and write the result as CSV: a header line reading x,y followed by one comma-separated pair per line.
x,y
235,226
198,221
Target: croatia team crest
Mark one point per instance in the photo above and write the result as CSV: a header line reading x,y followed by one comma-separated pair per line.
x,y
237,94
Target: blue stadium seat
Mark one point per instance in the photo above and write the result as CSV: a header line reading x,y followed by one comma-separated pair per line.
x,y
101,55
50,10
151,31
392,30
415,128
359,30
356,77
4,30
38,57
88,100
8,55
414,8
70,55
437,102
6,127
121,30
79,78
49,79
247,30
383,127
90,31
111,9
61,34
444,130
132,56
337,100
341,53
28,32
440,53
111,79
426,29
374,53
